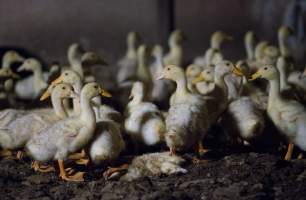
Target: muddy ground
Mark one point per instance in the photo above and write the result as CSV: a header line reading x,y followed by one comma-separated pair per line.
x,y
239,174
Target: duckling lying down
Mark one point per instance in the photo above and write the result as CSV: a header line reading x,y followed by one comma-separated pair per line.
x,y
148,165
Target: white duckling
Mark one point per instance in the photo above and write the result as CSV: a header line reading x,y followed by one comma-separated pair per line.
x,y
149,165
192,71
127,65
284,33
162,90
184,131
175,54
219,93
249,43
31,88
144,122
11,57
74,55
259,52
205,86
16,133
289,116
213,55
143,73
67,136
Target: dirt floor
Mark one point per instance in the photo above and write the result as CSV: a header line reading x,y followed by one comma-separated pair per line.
x,y
228,175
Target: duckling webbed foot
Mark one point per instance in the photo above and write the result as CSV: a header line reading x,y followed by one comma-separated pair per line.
x,y
19,155
172,152
82,161
42,168
200,149
289,152
77,156
110,173
77,177
300,156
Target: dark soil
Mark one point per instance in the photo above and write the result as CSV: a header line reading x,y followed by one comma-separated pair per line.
x,y
247,175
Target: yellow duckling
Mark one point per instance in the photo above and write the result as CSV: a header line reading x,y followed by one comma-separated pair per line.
x,y
289,116
184,131
192,71
67,136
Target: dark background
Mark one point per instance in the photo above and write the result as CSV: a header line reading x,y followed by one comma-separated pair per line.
x,y
46,28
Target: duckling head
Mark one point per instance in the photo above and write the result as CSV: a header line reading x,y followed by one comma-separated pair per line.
x,y
12,56
157,51
172,72
225,67
61,90
242,68
218,38
268,72
8,73
74,52
91,90
284,32
176,38
133,38
143,53
259,49
193,70
206,75
30,64
92,58
68,76
271,51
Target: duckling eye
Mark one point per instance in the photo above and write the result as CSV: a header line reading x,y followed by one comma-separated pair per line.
x,y
265,68
96,87
208,72
66,74
168,68
64,88
28,62
227,64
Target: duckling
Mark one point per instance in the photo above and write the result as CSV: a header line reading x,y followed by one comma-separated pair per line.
x,y
259,51
74,55
31,88
108,142
127,66
297,79
270,56
213,55
192,71
7,78
144,122
162,90
68,135
288,116
219,101
205,86
148,165
175,55
284,33
11,57
16,133
249,43
143,72
187,130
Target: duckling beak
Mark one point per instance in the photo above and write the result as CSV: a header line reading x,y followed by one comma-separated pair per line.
x,y
237,71
200,78
161,76
255,76
45,95
21,68
58,80
105,93
19,58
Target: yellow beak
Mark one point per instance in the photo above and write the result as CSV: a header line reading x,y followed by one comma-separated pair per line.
x,y
255,76
105,93
237,71
58,80
200,78
45,95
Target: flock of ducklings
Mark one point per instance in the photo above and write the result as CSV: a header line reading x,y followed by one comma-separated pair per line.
x,y
210,91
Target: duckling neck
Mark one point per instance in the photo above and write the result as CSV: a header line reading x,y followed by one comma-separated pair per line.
x,y
6,63
142,70
87,113
283,78
283,46
274,93
137,99
76,103
181,87
58,106
77,67
131,50
249,45
159,63
39,82
220,82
